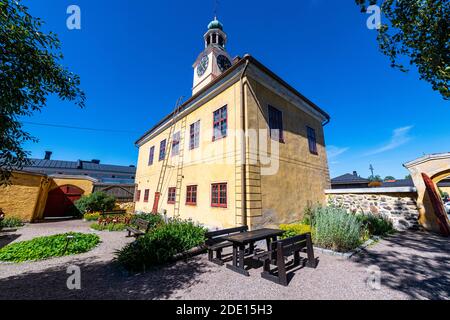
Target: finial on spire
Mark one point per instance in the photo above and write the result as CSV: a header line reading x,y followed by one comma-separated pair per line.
x,y
216,7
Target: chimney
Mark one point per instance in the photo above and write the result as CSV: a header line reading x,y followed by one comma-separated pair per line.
x,y
355,173
48,155
96,161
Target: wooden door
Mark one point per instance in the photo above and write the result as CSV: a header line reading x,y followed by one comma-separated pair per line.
x,y
60,201
438,206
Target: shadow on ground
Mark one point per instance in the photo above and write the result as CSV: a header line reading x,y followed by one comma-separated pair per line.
x,y
7,237
415,263
103,280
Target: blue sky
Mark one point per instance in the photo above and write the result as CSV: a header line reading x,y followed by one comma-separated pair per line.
x,y
135,59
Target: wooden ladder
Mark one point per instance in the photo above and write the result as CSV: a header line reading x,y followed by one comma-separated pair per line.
x,y
164,165
180,168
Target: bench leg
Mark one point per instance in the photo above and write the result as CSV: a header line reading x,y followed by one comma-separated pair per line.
x,y
296,258
312,263
210,255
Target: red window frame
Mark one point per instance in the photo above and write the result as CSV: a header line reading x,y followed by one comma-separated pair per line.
x,y
194,136
276,123
151,155
146,195
162,150
312,141
219,195
219,123
191,195
138,195
171,195
176,143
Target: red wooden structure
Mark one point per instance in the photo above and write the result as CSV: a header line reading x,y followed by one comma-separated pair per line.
x,y
60,201
438,207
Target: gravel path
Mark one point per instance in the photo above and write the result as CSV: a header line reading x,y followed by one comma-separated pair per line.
x,y
413,266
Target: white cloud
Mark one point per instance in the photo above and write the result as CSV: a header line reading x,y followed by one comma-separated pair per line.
x,y
400,136
334,152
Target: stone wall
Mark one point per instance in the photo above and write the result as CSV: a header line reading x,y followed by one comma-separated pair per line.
x,y
397,204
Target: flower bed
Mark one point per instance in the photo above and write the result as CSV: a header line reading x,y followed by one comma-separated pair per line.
x,y
337,230
50,246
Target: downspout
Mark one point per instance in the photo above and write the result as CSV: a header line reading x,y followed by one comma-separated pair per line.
x,y
244,151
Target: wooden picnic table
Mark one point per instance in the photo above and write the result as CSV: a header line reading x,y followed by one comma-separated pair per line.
x,y
249,238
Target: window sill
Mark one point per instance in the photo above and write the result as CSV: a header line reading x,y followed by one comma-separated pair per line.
x,y
218,138
191,204
224,206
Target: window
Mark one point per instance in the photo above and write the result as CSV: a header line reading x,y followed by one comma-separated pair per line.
x,y
171,195
219,195
191,195
220,123
146,194
194,134
276,124
176,144
162,150
138,195
151,155
312,140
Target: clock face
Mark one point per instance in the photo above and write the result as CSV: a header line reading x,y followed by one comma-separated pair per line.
x,y
223,63
202,66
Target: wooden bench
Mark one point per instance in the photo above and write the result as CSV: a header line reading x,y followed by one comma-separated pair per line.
x,y
142,227
216,243
285,248
110,213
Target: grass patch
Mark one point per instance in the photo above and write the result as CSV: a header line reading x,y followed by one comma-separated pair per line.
x,y
108,226
50,246
11,222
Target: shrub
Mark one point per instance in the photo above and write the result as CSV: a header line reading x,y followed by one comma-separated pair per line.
x,y
97,201
376,225
94,216
50,246
294,229
160,245
11,222
336,229
109,226
154,219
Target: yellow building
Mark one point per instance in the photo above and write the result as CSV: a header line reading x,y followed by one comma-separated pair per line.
x,y
48,189
33,196
246,148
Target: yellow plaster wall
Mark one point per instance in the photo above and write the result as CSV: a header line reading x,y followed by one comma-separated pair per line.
x,y
280,198
436,169
23,197
86,185
301,178
213,161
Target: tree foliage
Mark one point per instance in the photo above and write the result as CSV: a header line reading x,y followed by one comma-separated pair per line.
x,y
387,178
95,202
418,31
375,178
30,70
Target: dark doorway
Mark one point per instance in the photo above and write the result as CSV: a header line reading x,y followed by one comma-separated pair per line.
x,y
60,202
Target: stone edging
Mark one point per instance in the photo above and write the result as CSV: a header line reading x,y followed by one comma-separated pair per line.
x,y
348,255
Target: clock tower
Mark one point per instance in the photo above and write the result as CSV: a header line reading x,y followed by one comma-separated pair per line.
x,y
214,59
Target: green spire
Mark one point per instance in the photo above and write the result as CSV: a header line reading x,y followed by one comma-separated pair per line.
x,y
215,24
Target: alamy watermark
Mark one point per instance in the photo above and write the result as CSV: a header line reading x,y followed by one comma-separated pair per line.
x,y
73,22
74,280
374,277
374,21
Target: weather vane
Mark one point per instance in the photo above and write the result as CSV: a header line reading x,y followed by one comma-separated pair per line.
x,y
216,8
